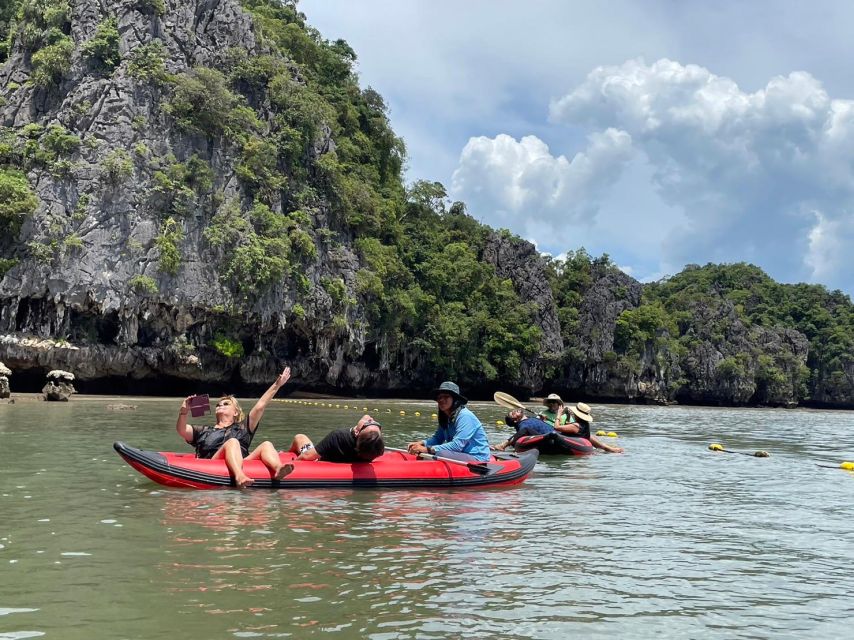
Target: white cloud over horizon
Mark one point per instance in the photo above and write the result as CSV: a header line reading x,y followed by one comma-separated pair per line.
x,y
764,177
510,179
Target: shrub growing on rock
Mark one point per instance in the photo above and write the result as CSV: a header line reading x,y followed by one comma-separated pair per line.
x,y
167,242
142,284
228,347
103,48
147,62
16,200
51,63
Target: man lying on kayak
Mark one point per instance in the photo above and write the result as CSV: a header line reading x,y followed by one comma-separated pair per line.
x,y
361,443
524,427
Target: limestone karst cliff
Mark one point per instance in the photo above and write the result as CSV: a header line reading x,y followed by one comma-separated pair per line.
x,y
203,192
195,192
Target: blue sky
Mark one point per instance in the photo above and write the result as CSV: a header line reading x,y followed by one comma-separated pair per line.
x,y
661,133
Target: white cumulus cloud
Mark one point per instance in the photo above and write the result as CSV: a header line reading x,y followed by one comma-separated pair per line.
x,y
520,182
766,177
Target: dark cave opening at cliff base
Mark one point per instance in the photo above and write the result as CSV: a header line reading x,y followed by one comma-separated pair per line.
x,y
32,381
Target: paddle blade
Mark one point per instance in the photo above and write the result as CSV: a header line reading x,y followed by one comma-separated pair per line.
x,y
506,400
484,468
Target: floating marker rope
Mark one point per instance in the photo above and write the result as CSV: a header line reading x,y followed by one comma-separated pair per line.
x,y
846,466
755,454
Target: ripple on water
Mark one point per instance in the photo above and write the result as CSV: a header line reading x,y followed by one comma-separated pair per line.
x,y
5,611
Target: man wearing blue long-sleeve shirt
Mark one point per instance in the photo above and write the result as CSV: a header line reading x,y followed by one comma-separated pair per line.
x,y
460,434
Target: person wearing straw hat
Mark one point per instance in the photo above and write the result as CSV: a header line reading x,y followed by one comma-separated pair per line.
x,y
581,427
460,435
555,412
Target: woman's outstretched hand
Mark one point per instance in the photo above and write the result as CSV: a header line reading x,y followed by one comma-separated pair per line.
x,y
284,376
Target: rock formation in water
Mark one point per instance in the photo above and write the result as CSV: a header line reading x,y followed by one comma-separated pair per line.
x,y
183,209
59,386
5,373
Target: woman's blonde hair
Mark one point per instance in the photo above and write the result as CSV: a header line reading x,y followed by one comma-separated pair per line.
x,y
236,405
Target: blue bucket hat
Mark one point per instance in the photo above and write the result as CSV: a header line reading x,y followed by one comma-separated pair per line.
x,y
452,388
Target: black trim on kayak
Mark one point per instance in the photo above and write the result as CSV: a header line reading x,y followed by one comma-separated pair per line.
x,y
157,462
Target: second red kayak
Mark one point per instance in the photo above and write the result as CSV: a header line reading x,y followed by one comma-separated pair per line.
x,y
555,444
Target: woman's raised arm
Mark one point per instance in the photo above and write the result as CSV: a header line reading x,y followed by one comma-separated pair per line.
x,y
258,409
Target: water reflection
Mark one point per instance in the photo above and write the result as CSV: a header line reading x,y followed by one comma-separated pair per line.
x,y
314,553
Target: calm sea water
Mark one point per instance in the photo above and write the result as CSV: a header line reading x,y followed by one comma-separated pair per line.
x,y
667,540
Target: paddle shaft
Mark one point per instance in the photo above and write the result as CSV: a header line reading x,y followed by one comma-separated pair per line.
x,y
476,465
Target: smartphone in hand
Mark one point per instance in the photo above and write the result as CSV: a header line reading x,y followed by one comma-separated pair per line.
x,y
200,405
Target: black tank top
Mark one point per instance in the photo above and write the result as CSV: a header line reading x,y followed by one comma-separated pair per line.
x,y
209,440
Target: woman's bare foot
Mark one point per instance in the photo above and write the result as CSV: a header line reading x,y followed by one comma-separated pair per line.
x,y
284,470
242,481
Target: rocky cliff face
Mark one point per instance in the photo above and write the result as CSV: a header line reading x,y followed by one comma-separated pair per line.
x,y
711,356
589,371
99,304
519,261
114,275
741,365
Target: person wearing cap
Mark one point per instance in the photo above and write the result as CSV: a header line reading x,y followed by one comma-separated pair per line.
x,y
581,427
460,434
361,443
555,412
524,427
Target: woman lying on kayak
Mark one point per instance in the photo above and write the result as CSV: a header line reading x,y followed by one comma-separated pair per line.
x,y
232,434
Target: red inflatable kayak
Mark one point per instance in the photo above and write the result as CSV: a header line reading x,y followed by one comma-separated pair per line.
x,y
555,443
391,470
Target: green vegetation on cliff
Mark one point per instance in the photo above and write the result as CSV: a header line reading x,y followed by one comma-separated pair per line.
x,y
262,188
825,317
16,200
427,293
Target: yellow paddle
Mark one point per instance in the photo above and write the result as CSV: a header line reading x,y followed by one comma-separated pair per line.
x,y
506,400
755,454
